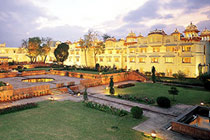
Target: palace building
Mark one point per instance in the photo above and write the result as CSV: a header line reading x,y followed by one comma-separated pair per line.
x,y
168,53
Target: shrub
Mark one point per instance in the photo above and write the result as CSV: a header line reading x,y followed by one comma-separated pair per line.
x,y
153,74
18,108
181,75
107,109
136,99
147,73
97,67
173,91
205,79
162,74
126,85
111,85
85,95
175,75
136,112
163,102
2,83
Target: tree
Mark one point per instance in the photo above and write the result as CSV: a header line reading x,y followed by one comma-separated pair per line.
x,y
205,79
105,37
153,74
91,41
98,49
85,95
87,42
61,52
173,91
111,86
200,69
45,48
32,45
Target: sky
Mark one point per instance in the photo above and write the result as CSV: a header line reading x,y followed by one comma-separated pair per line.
x,y
64,20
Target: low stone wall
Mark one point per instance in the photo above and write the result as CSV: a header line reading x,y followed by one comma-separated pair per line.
x,y
193,131
91,82
16,94
9,74
30,73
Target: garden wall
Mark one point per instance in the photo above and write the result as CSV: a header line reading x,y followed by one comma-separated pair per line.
x,y
21,93
200,133
9,74
91,80
30,73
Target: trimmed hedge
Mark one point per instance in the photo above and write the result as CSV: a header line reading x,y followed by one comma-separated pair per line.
x,y
18,108
163,102
137,112
136,99
107,109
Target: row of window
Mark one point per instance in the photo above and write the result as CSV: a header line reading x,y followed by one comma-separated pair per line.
x,y
144,50
142,59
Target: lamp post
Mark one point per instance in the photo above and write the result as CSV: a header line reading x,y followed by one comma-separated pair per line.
x,y
153,134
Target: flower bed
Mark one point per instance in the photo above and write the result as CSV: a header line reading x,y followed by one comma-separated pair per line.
x,y
104,108
126,85
136,99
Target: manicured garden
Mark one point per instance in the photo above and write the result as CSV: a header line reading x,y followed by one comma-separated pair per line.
x,y
67,121
153,90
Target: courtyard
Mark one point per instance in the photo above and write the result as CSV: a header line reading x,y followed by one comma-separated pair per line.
x,y
16,82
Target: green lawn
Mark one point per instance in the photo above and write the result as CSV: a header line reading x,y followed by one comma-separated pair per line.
x,y
66,121
185,96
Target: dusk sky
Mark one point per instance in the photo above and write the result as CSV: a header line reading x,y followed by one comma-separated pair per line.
x,y
71,19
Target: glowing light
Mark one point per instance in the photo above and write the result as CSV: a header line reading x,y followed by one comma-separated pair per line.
x,y
202,103
51,98
153,134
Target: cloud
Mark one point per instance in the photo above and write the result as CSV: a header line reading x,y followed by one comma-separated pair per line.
x,y
203,24
61,33
18,19
148,10
59,20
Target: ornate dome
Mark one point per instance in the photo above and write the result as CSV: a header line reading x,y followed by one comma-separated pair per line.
x,y
176,32
140,35
156,31
205,32
191,27
111,39
131,34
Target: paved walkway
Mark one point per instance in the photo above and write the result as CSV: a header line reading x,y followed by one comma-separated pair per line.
x,y
158,118
16,82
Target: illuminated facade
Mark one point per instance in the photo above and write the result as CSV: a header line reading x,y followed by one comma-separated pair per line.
x,y
168,53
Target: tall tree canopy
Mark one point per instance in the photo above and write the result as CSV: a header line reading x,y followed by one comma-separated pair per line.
x,y
36,47
61,52
105,37
45,48
91,41
32,45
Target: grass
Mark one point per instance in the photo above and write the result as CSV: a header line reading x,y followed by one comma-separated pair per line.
x,y
188,81
185,96
67,121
